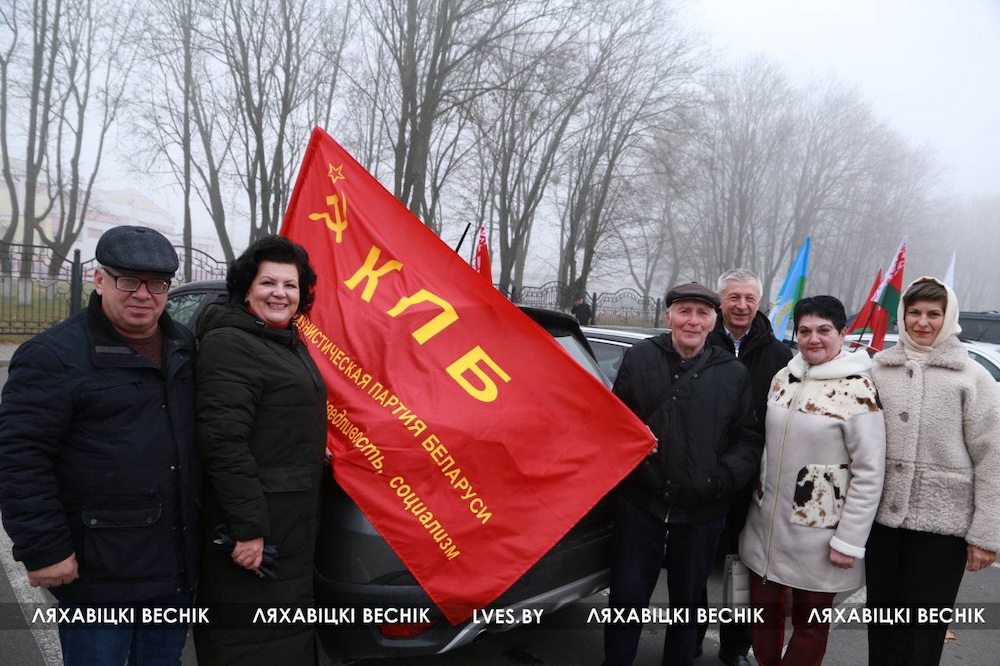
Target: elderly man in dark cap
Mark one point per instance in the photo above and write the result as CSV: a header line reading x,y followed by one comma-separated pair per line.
x,y
99,475
698,402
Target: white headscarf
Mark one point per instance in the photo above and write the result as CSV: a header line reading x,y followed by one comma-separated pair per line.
x,y
949,326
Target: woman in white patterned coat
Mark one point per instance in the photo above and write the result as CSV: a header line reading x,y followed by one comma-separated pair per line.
x,y
820,483
940,509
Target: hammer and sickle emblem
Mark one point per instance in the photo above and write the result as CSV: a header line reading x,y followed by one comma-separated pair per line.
x,y
337,223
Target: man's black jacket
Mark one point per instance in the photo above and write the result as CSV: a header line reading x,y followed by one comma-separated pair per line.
x,y
98,457
708,441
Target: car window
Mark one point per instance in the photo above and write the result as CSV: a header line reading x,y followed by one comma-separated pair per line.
x,y
609,356
181,308
982,327
582,356
986,363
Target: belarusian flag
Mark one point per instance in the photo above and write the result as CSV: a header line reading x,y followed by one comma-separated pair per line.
x,y
871,317
889,292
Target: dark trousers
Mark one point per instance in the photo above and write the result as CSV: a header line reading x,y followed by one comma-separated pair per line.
x,y
734,637
638,543
807,645
909,569
134,644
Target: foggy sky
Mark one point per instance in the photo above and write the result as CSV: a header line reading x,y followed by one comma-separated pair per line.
x,y
931,68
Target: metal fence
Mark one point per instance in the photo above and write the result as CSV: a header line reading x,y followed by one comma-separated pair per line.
x,y
625,307
39,288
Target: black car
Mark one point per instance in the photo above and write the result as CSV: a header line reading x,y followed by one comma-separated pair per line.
x,y
357,569
980,326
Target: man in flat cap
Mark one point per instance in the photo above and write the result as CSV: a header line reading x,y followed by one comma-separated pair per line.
x,y
99,473
698,402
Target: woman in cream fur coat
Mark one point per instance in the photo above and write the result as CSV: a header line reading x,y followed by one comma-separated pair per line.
x,y
820,483
940,507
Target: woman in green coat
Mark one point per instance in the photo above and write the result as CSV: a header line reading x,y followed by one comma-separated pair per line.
x,y
261,435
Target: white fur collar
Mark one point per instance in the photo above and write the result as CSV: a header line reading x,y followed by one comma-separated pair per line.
x,y
844,365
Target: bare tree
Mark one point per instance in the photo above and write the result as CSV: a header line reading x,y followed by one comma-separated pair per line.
x,y
441,52
646,86
741,156
29,85
94,66
179,122
657,238
239,87
520,127
274,52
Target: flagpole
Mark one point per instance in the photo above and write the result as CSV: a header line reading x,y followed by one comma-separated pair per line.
x,y
870,313
861,332
462,239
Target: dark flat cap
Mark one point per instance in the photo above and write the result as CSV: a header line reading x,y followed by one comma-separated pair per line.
x,y
693,290
136,250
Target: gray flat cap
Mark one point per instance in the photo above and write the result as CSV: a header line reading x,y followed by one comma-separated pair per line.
x,y
137,250
692,290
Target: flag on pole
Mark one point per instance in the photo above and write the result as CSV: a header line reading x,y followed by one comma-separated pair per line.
x,y
481,257
871,317
791,291
949,276
434,381
888,295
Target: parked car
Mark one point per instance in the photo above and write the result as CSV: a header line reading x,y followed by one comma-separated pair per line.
x,y
980,326
611,343
356,568
984,353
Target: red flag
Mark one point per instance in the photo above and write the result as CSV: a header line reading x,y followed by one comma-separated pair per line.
x,y
871,317
481,259
435,383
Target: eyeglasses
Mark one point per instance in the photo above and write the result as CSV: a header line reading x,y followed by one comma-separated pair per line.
x,y
132,283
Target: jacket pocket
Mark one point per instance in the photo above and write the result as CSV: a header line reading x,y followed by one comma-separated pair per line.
x,y
819,495
121,542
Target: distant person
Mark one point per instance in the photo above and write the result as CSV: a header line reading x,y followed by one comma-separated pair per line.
x,y
940,508
697,401
262,436
745,332
581,310
99,470
819,486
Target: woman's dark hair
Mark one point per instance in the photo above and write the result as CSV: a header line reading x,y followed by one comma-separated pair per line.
x,y
280,250
824,307
926,290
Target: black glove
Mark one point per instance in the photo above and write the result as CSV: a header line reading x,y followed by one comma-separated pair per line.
x,y
269,563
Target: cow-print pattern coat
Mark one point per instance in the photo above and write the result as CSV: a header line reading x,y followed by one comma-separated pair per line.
x,y
821,475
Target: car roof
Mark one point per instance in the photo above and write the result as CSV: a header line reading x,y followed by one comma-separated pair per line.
x,y
199,286
621,334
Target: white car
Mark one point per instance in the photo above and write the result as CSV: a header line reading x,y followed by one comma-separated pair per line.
x,y
986,354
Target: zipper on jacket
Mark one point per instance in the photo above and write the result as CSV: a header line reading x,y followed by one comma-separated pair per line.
x,y
781,461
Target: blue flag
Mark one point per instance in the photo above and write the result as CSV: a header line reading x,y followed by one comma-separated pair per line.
x,y
791,291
